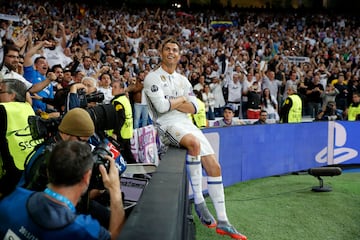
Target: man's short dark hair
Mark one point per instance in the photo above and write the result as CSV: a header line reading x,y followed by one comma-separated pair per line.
x,y
56,66
68,162
38,58
10,47
263,111
171,40
84,57
105,73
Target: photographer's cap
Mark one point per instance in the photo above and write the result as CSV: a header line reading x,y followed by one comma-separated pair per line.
x,y
77,122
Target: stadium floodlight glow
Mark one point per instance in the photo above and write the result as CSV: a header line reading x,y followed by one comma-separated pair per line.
x,y
176,5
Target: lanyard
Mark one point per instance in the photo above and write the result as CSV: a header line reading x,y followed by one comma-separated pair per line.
x,y
60,198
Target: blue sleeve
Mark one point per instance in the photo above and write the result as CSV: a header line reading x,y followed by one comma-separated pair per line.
x,y
29,73
91,228
72,101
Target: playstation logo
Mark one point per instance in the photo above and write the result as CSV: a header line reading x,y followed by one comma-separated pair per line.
x,y
336,152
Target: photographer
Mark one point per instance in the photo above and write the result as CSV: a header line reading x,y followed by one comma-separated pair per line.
x,y
15,139
76,125
83,94
51,214
330,113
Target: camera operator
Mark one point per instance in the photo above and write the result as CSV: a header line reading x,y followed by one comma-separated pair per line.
x,y
331,113
15,138
83,94
76,125
123,122
51,214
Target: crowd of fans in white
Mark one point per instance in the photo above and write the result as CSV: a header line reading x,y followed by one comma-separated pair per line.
x,y
226,55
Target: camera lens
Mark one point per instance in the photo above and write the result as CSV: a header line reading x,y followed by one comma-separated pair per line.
x,y
104,116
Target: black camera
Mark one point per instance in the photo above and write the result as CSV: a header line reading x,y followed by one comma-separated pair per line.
x,y
330,109
103,116
43,128
91,97
99,154
95,97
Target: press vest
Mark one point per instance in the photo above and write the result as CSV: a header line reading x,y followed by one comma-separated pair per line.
x,y
199,118
295,110
126,131
18,136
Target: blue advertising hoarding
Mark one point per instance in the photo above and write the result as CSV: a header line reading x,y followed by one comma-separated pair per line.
x,y
256,151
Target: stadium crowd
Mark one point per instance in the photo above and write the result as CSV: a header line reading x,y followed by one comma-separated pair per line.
x,y
259,50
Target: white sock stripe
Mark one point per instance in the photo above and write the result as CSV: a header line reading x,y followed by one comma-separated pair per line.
x,y
213,182
193,159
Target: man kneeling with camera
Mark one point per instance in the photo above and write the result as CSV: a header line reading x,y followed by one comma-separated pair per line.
x,y
76,125
51,214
